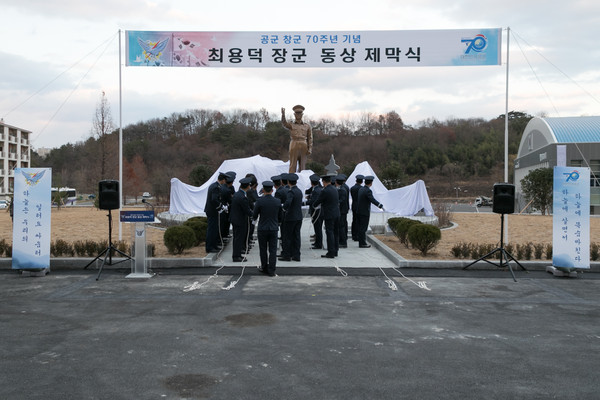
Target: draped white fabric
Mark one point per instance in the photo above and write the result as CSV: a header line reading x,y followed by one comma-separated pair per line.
x,y
405,201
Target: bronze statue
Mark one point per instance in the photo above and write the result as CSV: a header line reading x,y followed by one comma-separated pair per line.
x,y
300,139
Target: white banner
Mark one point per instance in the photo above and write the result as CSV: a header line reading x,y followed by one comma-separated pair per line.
x,y
460,47
571,220
31,225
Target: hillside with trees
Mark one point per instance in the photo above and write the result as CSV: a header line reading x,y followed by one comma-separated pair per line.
x,y
465,153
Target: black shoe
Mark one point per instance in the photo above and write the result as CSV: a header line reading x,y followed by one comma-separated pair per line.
x,y
271,274
327,255
316,247
296,259
284,259
364,246
263,270
215,250
343,246
239,259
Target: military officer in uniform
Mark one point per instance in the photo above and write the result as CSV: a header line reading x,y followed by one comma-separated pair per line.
x,y
211,208
292,221
227,192
354,195
363,209
344,194
315,214
330,208
240,218
268,212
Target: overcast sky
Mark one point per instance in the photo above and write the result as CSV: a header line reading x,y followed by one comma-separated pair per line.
x,y
58,56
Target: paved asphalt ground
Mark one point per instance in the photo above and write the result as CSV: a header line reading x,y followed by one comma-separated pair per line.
x,y
181,335
309,333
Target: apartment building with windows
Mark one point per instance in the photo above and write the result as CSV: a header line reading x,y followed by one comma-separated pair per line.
x,y
15,152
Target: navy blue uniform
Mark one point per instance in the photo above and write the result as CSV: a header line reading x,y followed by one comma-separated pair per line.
x,y
226,196
330,209
344,194
292,223
316,216
363,209
211,206
268,212
354,195
240,214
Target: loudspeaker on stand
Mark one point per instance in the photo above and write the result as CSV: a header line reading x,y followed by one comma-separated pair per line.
x,y
504,198
108,195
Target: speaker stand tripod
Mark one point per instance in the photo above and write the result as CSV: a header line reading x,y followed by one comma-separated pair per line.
x,y
107,253
504,255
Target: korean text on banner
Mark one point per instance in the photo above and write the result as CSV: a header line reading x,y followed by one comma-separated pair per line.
x,y
315,49
571,220
31,225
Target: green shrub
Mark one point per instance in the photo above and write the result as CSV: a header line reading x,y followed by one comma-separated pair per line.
x,y
120,245
3,247
61,248
179,238
402,228
549,251
456,250
199,228
79,247
202,219
91,248
594,251
393,224
424,237
538,251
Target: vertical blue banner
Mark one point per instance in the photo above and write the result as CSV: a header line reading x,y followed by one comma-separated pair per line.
x,y
31,226
571,221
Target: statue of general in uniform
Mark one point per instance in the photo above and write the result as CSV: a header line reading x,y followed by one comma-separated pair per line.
x,y
300,139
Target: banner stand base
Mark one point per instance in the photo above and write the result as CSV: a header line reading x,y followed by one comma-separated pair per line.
x,y
35,272
556,272
139,275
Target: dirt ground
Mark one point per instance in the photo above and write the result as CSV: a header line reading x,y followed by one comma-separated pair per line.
x,y
89,223
81,223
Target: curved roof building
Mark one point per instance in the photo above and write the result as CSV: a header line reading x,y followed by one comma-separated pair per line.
x,y
540,141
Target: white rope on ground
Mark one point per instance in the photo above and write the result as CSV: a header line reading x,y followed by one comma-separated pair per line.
x,y
420,284
196,285
233,283
389,281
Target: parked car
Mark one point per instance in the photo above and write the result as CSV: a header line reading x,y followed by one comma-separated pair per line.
x,y
146,195
482,201
3,204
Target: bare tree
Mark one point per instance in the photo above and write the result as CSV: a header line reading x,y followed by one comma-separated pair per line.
x,y
101,128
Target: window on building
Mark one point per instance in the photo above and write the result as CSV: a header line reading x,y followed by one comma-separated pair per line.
x,y
595,173
576,163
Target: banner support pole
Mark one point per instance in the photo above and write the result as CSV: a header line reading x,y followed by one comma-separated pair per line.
x,y
506,123
120,140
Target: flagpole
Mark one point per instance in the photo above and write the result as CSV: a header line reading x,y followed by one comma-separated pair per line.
x,y
506,127
120,142
506,113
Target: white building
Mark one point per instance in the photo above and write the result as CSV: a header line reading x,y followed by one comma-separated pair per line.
x,y
538,149
15,152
